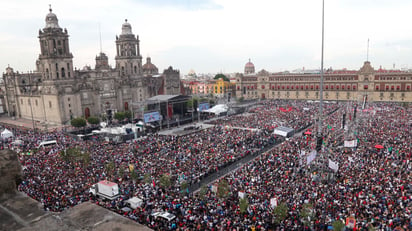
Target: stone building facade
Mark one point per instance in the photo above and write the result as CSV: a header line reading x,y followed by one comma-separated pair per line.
x,y
57,92
347,85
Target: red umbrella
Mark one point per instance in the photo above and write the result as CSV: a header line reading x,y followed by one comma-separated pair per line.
x,y
378,146
307,133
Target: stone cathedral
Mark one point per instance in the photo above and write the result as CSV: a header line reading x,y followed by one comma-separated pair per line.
x,y
57,92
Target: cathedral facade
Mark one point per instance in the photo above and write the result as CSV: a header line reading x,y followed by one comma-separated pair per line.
x,y
57,92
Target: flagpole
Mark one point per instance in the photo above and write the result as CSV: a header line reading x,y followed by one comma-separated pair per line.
x,y
319,140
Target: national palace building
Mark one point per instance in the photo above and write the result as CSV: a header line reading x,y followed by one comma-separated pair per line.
x,y
56,92
366,83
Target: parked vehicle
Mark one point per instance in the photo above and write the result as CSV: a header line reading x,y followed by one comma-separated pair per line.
x,y
105,189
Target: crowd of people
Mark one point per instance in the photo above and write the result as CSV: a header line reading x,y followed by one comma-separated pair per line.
x,y
371,185
271,114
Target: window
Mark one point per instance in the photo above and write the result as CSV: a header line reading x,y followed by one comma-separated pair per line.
x,y
365,87
36,102
354,87
398,88
68,70
21,101
68,99
392,87
50,104
387,88
377,87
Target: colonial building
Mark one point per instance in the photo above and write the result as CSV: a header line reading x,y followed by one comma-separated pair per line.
x,y
364,84
56,92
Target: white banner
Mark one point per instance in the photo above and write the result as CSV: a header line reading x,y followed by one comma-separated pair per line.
x,y
311,157
350,143
241,195
333,165
273,202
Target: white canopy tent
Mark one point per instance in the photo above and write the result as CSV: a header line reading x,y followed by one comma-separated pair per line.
x,y
217,109
6,134
284,131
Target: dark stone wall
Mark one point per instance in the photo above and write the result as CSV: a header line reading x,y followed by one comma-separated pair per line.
x,y
10,171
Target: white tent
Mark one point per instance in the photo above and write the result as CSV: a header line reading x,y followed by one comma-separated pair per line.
x,y
6,134
217,109
284,131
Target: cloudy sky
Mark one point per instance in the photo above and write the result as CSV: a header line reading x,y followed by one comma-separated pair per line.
x,y
211,36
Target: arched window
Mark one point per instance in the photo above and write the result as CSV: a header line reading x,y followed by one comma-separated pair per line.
x,y
135,69
47,73
57,70
126,106
63,72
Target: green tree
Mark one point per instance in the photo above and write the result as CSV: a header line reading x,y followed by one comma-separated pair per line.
x,y
280,212
306,214
203,191
86,158
338,225
78,122
222,76
134,176
223,189
128,114
110,168
119,115
93,120
165,181
147,178
120,171
243,205
184,186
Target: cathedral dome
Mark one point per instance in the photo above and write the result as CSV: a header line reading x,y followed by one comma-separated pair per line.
x,y
51,20
126,28
149,67
249,68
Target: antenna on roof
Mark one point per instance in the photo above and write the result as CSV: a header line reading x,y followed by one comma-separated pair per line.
x,y
100,36
367,51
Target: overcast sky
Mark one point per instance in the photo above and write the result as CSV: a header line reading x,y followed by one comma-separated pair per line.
x,y
211,36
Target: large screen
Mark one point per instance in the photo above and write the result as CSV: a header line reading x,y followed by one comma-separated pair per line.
x,y
151,117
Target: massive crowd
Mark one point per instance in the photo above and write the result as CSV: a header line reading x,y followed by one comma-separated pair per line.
x,y
371,185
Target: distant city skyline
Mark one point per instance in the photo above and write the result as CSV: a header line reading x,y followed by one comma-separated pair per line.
x,y
218,36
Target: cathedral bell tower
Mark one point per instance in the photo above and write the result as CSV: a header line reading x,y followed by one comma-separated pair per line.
x,y
128,58
55,61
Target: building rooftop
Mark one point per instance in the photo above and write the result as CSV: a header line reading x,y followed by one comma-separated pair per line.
x,y
22,213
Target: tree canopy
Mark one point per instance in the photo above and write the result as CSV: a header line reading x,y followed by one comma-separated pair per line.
x,y
93,120
78,122
222,76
